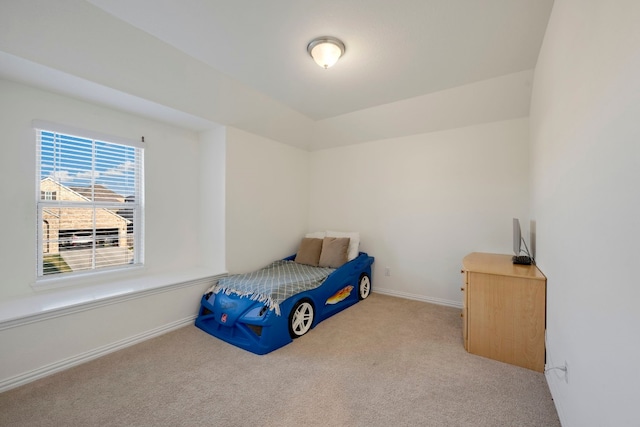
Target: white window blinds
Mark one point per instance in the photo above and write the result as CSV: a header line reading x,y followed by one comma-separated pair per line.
x,y
90,201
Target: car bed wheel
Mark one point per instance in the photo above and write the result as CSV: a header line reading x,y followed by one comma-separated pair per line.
x,y
364,286
300,319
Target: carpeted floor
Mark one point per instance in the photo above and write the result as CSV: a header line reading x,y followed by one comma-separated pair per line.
x,y
385,361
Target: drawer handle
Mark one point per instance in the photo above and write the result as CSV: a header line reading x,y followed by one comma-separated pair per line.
x,y
461,271
462,289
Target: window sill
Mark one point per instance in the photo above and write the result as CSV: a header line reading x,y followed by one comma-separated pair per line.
x,y
63,301
92,277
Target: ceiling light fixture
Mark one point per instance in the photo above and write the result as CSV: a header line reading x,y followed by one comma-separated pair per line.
x,y
325,50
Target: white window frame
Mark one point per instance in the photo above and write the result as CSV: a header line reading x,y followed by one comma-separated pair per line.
x,y
42,203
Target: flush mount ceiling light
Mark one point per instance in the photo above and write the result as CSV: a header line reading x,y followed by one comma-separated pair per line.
x,y
325,50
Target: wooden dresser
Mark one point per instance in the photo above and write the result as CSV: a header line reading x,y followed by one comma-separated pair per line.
x,y
503,313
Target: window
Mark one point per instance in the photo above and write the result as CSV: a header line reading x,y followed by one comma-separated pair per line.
x,y
89,201
48,195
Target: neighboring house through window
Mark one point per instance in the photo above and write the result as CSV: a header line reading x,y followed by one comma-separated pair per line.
x,y
90,201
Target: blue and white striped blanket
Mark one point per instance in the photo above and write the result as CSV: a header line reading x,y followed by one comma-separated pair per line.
x,y
274,283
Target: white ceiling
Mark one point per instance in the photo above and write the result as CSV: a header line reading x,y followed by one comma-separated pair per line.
x,y
395,50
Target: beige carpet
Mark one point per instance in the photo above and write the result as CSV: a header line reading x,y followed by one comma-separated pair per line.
x,y
385,361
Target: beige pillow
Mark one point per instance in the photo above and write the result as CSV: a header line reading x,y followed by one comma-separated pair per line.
x,y
309,251
334,252
354,242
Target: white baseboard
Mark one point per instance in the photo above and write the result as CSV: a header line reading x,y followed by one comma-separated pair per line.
x,y
439,301
67,363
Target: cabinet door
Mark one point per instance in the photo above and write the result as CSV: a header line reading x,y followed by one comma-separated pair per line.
x,y
506,319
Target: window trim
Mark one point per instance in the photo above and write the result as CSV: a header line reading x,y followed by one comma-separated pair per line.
x,y
47,281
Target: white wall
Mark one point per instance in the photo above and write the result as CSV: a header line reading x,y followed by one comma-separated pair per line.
x,y
109,316
171,169
212,184
266,200
422,202
585,132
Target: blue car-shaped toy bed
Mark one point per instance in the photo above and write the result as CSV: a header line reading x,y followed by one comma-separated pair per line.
x,y
257,327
